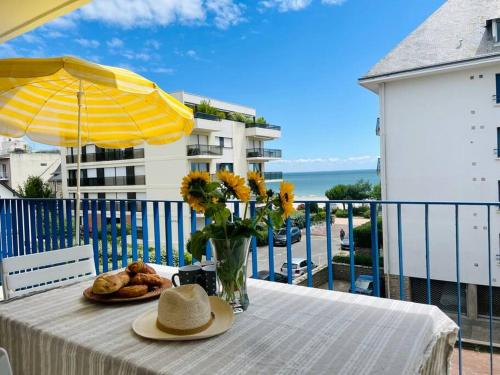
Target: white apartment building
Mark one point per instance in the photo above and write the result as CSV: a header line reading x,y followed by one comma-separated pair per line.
x,y
439,127
155,172
17,162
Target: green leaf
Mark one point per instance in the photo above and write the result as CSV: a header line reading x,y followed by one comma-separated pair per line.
x,y
198,244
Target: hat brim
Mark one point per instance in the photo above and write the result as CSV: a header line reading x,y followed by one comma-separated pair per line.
x,y
145,325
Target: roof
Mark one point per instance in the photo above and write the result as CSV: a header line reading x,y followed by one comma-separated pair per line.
x,y
456,32
4,184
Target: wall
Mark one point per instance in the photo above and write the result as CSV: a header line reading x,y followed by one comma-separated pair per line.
x,y
23,165
438,135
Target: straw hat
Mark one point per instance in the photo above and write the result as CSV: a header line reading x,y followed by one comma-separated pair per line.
x,y
185,313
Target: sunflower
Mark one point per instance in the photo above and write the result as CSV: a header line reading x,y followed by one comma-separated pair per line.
x,y
286,198
235,185
192,189
256,183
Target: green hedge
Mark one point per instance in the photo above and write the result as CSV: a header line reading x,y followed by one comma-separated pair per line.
x,y
362,234
359,260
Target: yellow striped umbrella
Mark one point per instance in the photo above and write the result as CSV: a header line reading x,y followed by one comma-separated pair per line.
x,y
65,101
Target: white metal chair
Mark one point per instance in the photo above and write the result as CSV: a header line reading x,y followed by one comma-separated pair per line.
x,y
5,368
27,274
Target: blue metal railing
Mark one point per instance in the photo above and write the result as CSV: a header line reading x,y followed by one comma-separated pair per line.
x,y
121,231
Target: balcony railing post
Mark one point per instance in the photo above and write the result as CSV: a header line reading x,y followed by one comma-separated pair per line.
x,y
253,243
114,244
156,225
208,247
459,289
104,235
26,210
133,224
308,245
375,254
270,250
123,232
427,255
490,289
180,230
289,250
15,239
400,251
39,224
329,258
352,269
4,228
145,231
53,218
168,233
46,224
32,225
95,234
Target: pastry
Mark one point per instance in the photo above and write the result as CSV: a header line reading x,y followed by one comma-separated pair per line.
x,y
107,283
132,291
146,279
140,267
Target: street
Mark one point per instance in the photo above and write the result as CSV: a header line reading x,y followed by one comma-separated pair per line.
x,y
318,247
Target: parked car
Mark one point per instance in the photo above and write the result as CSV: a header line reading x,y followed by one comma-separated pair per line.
x,y
299,267
280,236
344,244
278,277
364,285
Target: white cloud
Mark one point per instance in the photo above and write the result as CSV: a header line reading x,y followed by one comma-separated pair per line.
x,y
54,34
146,13
226,12
333,2
329,160
285,5
6,50
88,43
65,22
32,38
115,43
192,53
288,5
162,70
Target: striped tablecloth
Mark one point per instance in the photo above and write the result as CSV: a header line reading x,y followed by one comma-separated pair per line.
x,y
286,330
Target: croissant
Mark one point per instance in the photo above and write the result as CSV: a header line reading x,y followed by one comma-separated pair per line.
x,y
107,284
140,267
146,279
132,291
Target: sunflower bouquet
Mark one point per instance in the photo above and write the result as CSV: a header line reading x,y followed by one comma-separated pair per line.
x,y
229,234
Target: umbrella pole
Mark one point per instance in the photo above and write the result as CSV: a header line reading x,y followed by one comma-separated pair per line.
x,y
77,208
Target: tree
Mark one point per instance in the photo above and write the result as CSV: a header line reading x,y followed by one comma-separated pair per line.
x,y
338,192
377,192
361,190
34,187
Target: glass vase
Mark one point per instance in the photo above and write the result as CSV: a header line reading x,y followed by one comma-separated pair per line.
x,y
231,257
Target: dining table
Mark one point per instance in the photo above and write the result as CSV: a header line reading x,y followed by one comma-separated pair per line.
x,y
287,329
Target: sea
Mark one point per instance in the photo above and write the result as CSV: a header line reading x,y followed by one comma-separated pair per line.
x,y
310,185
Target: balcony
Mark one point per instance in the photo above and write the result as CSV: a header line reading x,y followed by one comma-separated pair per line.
x,y
273,176
204,151
46,224
206,123
263,154
4,176
108,181
108,155
262,131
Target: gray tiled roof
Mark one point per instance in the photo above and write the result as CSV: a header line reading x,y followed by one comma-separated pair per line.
x,y
456,31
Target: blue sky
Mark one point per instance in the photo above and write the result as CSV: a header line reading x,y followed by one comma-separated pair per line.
x,y
296,61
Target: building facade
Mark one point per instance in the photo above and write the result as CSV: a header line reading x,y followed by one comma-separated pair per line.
x,y
218,141
439,127
18,162
155,172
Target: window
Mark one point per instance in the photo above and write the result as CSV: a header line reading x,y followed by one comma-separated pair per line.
x,y
225,167
202,167
224,142
497,28
255,167
498,142
498,88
